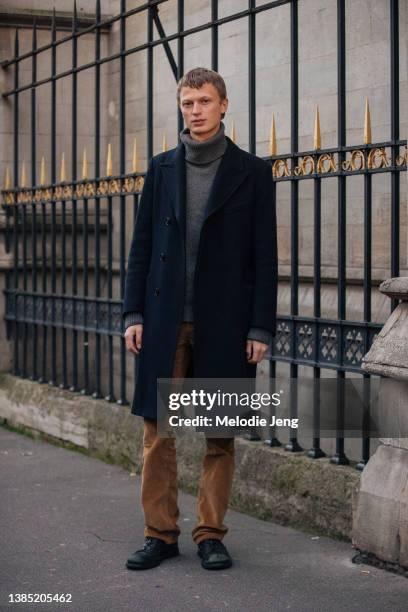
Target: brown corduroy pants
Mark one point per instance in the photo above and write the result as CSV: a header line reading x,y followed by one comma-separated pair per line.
x,y
159,474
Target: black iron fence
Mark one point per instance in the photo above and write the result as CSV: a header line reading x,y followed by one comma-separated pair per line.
x,y
65,285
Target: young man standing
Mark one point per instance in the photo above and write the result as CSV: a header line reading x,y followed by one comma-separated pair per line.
x,y
200,299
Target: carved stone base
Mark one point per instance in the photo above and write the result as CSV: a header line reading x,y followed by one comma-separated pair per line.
x,y
380,513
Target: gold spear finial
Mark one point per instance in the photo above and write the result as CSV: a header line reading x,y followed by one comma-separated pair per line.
x,y
42,171
63,176
367,123
23,182
109,161
84,165
317,140
7,178
135,160
232,135
272,137
164,142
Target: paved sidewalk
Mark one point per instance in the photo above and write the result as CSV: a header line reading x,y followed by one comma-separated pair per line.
x,y
68,522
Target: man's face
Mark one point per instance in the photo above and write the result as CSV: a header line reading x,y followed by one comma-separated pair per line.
x,y
202,109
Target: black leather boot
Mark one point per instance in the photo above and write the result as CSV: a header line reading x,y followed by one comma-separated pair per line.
x,y
152,554
213,555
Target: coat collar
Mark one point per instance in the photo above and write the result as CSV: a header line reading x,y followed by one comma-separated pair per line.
x,y
230,174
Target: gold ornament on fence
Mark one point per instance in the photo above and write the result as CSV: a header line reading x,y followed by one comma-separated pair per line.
x,y
367,123
280,168
402,159
326,164
272,138
232,134
317,140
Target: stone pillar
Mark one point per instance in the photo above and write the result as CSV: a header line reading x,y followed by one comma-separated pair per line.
x,y
380,509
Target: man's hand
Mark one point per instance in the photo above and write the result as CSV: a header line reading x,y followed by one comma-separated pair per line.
x,y
133,338
255,351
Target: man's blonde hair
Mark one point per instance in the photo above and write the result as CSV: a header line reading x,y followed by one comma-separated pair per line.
x,y
196,78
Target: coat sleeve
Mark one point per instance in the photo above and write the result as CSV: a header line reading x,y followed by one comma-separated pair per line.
x,y
265,255
140,249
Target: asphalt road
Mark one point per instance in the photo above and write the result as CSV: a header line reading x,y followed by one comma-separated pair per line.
x,y
68,523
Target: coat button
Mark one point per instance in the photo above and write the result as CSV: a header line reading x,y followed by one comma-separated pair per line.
x,y
156,291
167,220
162,256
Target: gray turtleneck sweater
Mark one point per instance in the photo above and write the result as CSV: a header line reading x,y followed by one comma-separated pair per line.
x,y
202,161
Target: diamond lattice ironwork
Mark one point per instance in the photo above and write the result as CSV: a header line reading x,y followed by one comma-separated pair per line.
x,y
305,341
329,344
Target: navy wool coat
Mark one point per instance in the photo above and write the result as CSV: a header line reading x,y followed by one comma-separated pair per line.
x,y
235,283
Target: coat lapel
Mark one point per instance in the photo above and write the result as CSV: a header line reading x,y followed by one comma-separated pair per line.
x,y
174,173
230,174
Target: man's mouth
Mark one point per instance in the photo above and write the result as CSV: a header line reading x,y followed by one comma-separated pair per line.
x,y
198,121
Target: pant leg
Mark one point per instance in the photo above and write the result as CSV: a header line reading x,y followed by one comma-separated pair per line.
x,y
159,485
214,489
159,472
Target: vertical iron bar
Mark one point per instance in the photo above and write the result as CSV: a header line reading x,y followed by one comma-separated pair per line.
x,y
149,83
85,389
293,445
214,35
43,378
53,380
252,78
365,451
395,120
122,223
110,397
367,246
339,457
34,374
272,440
64,384
25,287
74,258
135,209
85,236
15,206
252,435
180,56
97,390
316,452
25,284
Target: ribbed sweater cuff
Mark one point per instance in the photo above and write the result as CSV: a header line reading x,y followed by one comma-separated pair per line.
x,y
261,335
133,318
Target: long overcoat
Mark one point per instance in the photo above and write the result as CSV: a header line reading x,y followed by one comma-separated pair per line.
x,y
235,283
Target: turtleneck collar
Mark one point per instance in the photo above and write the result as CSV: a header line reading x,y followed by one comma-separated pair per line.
x,y
207,151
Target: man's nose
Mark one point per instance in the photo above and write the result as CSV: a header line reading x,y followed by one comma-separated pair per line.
x,y
196,107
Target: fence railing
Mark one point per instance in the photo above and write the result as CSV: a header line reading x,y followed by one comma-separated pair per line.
x,y
69,239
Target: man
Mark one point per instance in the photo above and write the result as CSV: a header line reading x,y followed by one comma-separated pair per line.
x,y
200,299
